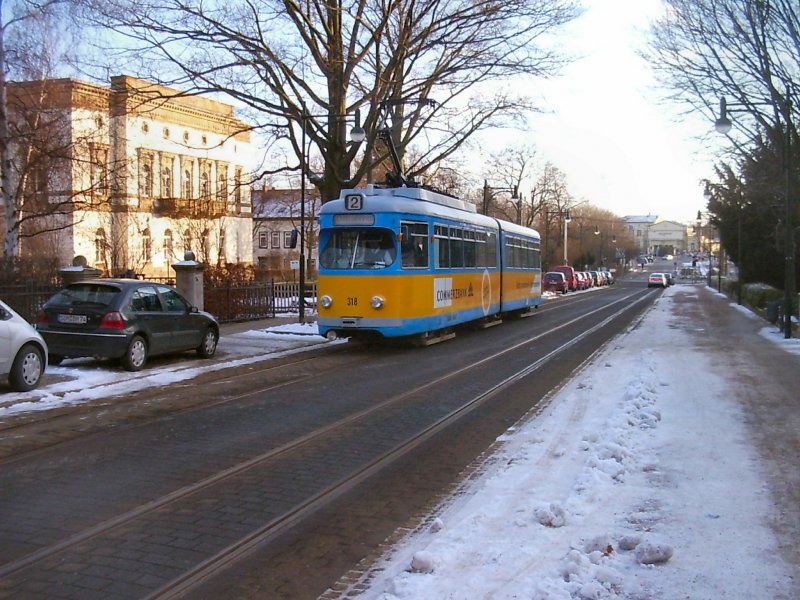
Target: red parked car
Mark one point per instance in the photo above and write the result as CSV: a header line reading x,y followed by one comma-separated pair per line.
x,y
555,282
569,275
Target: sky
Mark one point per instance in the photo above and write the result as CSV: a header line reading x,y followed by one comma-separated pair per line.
x,y
606,125
575,501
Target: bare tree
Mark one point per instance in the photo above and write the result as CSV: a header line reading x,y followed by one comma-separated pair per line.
x,y
20,14
509,170
745,50
310,64
37,146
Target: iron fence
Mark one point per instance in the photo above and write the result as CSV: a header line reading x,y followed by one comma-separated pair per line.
x,y
28,298
229,302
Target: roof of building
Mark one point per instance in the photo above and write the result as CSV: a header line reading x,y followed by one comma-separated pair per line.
x,y
641,219
282,204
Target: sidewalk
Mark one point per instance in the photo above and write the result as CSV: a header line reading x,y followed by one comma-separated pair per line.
x,y
667,469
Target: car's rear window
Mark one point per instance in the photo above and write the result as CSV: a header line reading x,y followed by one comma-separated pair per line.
x,y
85,295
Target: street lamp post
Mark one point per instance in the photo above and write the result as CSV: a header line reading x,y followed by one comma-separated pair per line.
x,y
488,188
566,222
723,125
602,258
357,135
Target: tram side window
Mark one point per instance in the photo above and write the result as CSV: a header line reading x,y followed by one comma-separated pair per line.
x,y
513,253
522,253
456,247
470,249
415,245
535,255
442,246
491,249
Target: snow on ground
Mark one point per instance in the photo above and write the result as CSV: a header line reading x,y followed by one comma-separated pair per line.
x,y
645,489
77,381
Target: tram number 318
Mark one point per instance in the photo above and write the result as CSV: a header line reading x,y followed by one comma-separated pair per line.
x,y
351,301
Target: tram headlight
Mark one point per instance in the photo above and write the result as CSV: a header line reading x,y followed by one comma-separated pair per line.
x,y
376,302
326,301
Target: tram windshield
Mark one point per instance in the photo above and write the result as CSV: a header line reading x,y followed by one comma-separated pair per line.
x,y
358,249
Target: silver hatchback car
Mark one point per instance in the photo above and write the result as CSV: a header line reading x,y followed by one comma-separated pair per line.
x,y
23,352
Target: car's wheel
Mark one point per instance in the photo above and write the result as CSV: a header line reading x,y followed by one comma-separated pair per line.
x,y
27,370
54,359
209,345
136,354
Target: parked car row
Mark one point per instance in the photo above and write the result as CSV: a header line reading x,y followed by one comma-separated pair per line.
x,y
565,279
128,320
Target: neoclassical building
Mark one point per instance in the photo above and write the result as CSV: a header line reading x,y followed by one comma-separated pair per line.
x,y
143,174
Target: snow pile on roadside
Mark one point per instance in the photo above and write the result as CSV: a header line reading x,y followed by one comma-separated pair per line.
x,y
637,481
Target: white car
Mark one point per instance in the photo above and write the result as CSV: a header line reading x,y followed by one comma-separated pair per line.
x,y
23,352
657,280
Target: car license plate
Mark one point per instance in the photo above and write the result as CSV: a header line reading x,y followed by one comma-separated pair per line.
x,y
72,319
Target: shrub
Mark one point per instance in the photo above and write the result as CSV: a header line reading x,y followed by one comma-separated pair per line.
x,y
758,294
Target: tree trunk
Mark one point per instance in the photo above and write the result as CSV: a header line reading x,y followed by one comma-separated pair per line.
x,y
11,234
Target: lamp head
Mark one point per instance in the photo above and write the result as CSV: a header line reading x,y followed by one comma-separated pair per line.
x,y
723,124
357,133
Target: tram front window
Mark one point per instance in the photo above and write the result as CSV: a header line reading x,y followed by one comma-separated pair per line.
x,y
358,249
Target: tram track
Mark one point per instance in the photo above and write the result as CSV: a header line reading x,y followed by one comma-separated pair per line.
x,y
18,428
337,486
157,406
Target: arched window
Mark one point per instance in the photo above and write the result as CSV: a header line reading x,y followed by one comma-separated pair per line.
x,y
222,182
221,253
168,245
187,183
166,182
147,246
147,180
99,170
205,191
100,246
206,242
187,239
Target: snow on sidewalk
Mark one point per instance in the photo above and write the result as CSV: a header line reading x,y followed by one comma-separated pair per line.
x,y
636,481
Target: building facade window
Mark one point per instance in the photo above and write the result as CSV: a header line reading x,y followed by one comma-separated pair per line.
x,y
168,245
146,166
36,182
99,169
100,246
222,182
206,244
167,191
263,239
205,190
237,189
147,246
287,239
276,239
222,255
186,184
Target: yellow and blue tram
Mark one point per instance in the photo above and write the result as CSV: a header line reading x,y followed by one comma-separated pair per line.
x,y
410,261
